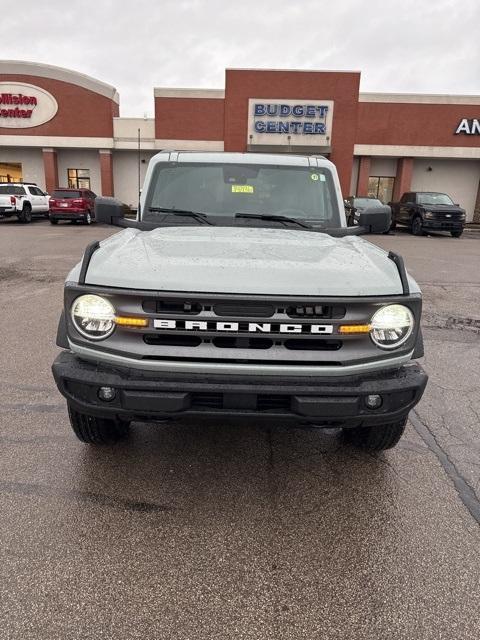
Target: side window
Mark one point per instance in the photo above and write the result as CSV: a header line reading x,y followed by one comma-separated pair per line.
x,y
404,198
32,191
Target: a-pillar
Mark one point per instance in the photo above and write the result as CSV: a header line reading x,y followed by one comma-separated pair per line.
x,y
363,176
50,168
403,179
106,172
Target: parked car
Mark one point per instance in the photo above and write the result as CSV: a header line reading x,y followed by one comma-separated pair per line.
x,y
354,205
72,204
239,291
24,200
428,211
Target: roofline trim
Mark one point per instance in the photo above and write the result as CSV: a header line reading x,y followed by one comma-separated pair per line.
x,y
419,98
294,70
23,67
167,92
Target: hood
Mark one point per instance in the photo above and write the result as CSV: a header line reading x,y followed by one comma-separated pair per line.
x,y
442,208
242,260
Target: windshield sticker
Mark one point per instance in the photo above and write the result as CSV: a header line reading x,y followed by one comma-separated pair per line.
x,y
314,176
322,178
242,188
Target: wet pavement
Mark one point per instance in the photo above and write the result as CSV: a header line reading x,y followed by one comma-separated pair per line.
x,y
233,530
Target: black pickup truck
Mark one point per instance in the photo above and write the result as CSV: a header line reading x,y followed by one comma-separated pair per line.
x,y
428,211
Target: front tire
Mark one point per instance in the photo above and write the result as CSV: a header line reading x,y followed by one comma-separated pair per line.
x,y
417,226
376,438
457,233
93,430
53,221
25,215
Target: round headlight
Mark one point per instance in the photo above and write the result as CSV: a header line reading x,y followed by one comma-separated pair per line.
x,y
391,326
93,316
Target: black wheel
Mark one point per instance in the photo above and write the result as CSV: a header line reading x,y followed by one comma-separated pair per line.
x,y
417,228
25,214
88,218
376,438
457,233
93,430
53,221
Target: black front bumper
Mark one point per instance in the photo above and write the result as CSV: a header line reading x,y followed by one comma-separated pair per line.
x,y
443,225
329,402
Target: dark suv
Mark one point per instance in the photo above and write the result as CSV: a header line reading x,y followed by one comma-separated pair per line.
x,y
72,204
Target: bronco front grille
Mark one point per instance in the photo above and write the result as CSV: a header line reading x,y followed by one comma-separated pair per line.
x,y
227,329
242,309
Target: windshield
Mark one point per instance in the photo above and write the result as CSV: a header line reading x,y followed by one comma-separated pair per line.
x,y
66,194
367,202
433,198
12,191
223,190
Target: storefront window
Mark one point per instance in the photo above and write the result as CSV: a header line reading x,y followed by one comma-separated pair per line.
x,y
79,178
10,172
381,187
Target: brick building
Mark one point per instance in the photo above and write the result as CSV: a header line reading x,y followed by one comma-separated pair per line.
x,y
382,144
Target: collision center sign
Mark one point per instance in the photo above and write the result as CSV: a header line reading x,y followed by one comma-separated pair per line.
x,y
25,105
290,122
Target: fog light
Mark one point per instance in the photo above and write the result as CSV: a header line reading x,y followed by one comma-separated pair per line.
x,y
107,394
374,401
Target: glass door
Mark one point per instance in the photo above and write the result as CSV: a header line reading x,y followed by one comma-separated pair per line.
x,y
381,187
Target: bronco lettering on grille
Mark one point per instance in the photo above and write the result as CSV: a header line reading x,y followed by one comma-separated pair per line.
x,y
241,327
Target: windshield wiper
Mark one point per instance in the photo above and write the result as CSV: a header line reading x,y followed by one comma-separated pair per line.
x,y
275,218
197,215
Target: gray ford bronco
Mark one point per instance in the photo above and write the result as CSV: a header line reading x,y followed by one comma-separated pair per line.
x,y
239,290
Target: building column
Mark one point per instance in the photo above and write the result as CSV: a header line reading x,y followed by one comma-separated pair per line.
x,y
106,172
50,168
363,176
403,179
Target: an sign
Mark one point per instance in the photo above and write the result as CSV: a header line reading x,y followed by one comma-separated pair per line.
x,y
290,123
469,126
24,105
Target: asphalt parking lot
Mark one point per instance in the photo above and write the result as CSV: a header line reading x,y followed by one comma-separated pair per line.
x,y
213,530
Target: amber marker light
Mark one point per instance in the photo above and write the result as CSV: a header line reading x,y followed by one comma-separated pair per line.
x,y
124,321
354,328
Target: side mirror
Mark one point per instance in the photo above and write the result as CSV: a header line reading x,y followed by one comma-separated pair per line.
x,y
376,219
109,211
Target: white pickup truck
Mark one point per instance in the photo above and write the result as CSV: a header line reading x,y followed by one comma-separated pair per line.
x,y
24,200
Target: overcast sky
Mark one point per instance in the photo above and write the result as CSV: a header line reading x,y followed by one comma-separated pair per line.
x,y
429,46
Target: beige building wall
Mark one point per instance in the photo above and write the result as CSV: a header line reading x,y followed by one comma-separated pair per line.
x,y
79,159
125,175
31,161
384,167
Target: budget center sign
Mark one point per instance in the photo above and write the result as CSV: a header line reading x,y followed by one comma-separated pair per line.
x,y
296,123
